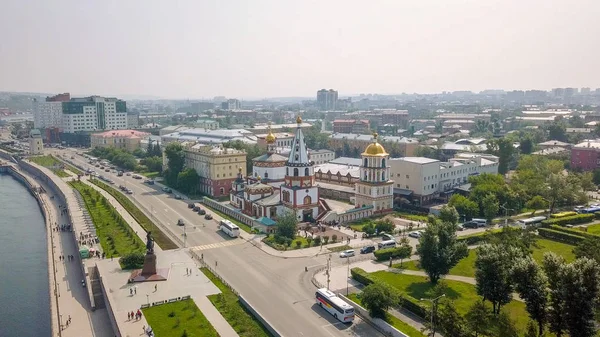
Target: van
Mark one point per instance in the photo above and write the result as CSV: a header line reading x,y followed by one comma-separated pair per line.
x,y
483,221
386,244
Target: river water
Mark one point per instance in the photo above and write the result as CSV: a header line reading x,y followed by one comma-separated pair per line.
x,y
24,288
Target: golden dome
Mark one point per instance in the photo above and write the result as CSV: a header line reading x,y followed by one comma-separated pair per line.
x,y
299,120
270,137
375,149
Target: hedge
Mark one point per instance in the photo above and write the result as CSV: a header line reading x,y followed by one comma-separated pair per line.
x,y
476,238
571,231
560,236
408,302
570,220
385,254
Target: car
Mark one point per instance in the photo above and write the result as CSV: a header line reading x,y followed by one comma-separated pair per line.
x,y
107,170
367,249
460,228
196,208
72,157
167,190
208,217
101,167
191,205
128,173
470,224
385,236
201,212
149,181
347,253
129,191
415,235
177,197
180,222
97,165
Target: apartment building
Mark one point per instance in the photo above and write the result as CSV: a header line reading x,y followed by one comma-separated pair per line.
x,y
423,180
327,99
94,113
48,113
217,167
129,140
586,155
361,126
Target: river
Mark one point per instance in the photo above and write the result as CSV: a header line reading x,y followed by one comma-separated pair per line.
x,y
24,288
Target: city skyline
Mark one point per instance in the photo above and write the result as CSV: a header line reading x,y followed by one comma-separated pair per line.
x,y
272,49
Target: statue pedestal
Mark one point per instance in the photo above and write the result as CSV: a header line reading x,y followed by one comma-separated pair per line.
x,y
149,272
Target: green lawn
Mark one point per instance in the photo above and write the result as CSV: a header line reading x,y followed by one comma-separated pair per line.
x,y
466,266
228,304
163,241
176,318
53,164
393,320
594,229
463,294
242,226
150,175
412,217
61,173
116,237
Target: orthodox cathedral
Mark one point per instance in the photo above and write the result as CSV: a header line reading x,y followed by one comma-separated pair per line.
x,y
279,184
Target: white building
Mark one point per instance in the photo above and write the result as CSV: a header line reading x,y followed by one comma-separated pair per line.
x,y
36,145
270,167
321,156
47,114
374,189
94,113
422,179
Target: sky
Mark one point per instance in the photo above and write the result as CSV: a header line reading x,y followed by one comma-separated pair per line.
x,y
281,48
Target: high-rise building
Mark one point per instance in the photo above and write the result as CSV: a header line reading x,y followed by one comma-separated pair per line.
x,y
231,104
48,114
327,99
94,113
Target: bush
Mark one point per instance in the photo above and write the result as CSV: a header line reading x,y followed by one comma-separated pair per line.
x,y
571,231
398,252
317,240
560,236
384,225
412,304
133,260
325,239
298,243
361,276
334,238
569,220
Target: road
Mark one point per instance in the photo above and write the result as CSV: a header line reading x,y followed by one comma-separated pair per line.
x,y
278,288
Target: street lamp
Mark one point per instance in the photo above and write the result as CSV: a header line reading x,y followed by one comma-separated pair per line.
x,y
433,311
506,214
347,275
184,235
147,299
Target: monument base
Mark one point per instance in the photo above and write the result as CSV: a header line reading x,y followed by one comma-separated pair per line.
x,y
149,271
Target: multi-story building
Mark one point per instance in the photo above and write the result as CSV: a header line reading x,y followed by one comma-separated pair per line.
x,y
48,114
216,166
282,140
231,104
461,116
206,136
361,126
36,145
209,124
396,146
129,140
321,156
133,119
94,113
198,107
422,180
327,99
586,155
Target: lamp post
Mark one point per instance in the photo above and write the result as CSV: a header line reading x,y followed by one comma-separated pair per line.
x,y
184,235
147,299
506,214
328,270
348,275
433,311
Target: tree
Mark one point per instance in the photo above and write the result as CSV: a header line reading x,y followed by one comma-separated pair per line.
x,y
590,248
448,321
176,160
526,145
439,249
580,282
385,225
504,326
188,180
154,163
531,284
553,265
490,206
448,214
369,229
532,330
557,131
286,226
492,273
465,207
378,297
504,149
479,319
536,203
252,151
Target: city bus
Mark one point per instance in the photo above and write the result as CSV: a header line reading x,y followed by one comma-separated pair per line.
x,y
531,221
229,228
341,310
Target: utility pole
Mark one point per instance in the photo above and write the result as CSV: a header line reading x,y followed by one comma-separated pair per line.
x,y
347,275
328,270
433,311
184,236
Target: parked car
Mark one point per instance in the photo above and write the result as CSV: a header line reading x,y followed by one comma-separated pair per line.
x,y
149,181
385,236
129,191
167,190
208,217
201,212
347,253
197,208
128,173
180,222
177,197
415,234
460,228
367,249
470,224
107,170
191,205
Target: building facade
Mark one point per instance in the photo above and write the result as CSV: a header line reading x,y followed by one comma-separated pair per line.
x,y
586,155
374,189
94,113
36,145
231,104
396,146
216,166
129,140
270,167
48,114
327,99
361,126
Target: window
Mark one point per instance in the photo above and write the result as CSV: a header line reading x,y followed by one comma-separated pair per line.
x,y
295,172
366,163
307,200
266,175
383,162
306,172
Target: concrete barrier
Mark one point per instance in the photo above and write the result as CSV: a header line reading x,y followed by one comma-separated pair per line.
x,y
381,325
258,316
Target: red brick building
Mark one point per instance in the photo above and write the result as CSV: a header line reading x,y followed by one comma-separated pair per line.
x,y
586,156
361,126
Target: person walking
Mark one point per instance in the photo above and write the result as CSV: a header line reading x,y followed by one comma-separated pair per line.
x,y
155,287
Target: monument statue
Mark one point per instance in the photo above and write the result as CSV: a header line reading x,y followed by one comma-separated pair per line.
x,y
149,243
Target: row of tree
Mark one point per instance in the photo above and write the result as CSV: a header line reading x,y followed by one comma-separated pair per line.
x,y
176,175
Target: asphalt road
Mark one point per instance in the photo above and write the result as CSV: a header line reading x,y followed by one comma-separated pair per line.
x,y
276,287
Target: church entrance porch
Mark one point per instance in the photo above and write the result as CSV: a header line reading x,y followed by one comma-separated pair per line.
x,y
307,215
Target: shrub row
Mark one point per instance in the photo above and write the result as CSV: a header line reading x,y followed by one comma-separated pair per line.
x,y
569,220
398,252
408,302
571,231
560,236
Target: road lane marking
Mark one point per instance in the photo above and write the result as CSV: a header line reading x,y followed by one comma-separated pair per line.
x,y
218,245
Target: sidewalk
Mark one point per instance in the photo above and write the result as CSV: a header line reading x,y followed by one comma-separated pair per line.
x,y
73,299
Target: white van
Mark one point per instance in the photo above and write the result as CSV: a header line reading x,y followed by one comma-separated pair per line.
x,y
481,221
386,244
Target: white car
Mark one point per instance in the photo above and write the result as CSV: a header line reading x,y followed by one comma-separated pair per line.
x,y
415,235
347,253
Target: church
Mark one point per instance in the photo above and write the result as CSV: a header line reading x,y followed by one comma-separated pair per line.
x,y
279,185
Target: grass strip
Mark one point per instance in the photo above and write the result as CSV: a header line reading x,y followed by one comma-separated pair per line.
x,y
160,238
243,226
393,320
116,237
181,318
228,304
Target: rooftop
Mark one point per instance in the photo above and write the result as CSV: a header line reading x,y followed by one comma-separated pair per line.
x,y
343,170
122,133
592,144
417,160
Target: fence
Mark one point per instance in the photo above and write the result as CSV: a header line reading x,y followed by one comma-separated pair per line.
x,y
243,218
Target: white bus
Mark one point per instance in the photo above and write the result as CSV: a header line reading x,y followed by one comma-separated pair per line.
x,y
335,305
229,228
531,221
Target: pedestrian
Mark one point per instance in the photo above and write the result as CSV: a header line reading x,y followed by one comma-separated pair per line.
x,y
69,319
144,329
128,316
132,315
155,287
130,291
135,290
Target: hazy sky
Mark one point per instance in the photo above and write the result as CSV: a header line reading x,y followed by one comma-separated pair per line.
x,y
264,48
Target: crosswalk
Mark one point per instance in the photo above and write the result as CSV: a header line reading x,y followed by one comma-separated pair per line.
x,y
219,244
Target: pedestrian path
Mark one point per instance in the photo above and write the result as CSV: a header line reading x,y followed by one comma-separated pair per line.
x,y
219,244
